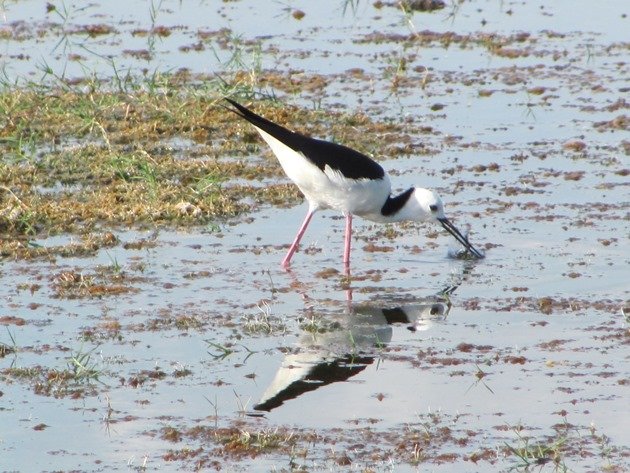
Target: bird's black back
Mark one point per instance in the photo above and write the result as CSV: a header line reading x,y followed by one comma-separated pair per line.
x,y
347,161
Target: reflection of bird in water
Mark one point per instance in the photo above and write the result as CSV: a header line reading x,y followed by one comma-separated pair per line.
x,y
338,347
418,316
343,346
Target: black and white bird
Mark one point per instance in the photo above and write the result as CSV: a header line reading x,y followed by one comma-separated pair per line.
x,y
333,176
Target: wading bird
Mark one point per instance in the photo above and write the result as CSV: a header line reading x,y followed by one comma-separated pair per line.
x,y
333,176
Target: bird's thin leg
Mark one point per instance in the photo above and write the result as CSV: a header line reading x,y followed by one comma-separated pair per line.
x,y
287,259
348,283
347,242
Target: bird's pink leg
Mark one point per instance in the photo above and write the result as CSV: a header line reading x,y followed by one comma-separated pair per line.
x,y
287,259
347,242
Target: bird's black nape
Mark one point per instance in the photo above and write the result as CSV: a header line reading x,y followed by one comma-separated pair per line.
x,y
393,204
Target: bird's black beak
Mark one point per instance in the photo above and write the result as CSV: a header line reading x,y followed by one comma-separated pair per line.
x,y
449,227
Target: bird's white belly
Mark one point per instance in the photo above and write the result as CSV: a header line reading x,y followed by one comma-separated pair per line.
x,y
329,189
350,196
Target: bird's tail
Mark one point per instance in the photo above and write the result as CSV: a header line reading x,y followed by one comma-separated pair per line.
x,y
275,130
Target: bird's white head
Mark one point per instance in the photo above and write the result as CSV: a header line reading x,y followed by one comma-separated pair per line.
x,y
426,205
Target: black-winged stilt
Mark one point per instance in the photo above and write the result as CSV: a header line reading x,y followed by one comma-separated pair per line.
x,y
333,176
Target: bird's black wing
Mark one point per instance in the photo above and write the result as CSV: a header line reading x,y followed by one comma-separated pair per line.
x,y
347,161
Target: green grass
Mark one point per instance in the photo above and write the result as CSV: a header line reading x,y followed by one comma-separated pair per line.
x,y
77,379
263,322
148,151
535,455
83,367
263,440
222,351
8,349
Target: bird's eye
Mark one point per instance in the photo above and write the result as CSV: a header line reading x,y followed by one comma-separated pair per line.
x,y
433,208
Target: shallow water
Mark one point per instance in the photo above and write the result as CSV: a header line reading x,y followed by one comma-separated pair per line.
x,y
534,337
